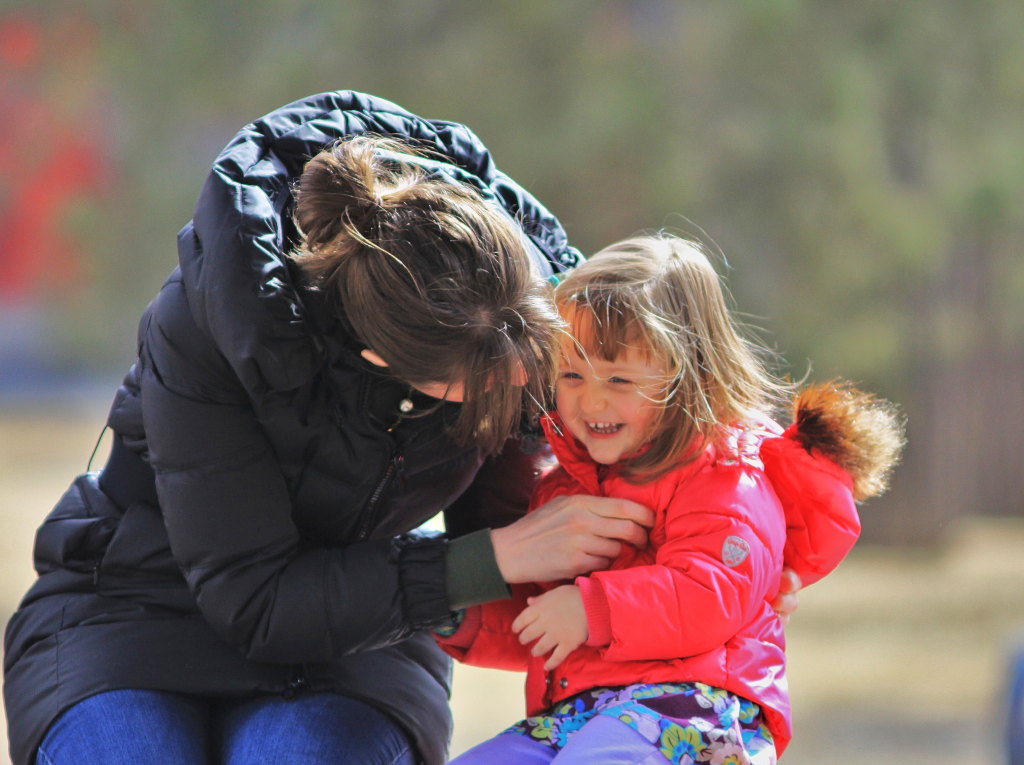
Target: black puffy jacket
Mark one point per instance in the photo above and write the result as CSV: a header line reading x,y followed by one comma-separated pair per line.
x,y
249,533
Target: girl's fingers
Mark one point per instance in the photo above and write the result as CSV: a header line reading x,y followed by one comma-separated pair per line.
x,y
526,617
543,646
556,658
529,634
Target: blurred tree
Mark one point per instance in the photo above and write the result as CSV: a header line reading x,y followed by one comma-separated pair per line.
x,y
885,190
858,165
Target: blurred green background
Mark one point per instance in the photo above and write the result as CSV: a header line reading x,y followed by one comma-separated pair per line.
x,y
858,166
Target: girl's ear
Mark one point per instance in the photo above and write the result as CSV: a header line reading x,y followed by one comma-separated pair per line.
x,y
373,357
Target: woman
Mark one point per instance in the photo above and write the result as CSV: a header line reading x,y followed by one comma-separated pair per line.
x,y
349,346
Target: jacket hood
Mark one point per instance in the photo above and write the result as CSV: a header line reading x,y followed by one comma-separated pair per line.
x,y
241,288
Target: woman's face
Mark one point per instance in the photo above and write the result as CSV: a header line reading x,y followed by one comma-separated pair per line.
x,y
443,391
454,392
610,406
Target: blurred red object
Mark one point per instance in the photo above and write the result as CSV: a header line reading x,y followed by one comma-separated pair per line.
x,y
50,156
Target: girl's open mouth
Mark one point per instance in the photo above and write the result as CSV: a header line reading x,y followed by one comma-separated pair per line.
x,y
604,428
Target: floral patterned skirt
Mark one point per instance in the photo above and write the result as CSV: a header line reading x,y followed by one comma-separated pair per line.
x,y
687,722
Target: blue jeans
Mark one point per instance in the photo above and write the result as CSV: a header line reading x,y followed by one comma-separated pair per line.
x,y
134,726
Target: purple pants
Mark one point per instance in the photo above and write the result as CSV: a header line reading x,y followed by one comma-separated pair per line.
x,y
603,739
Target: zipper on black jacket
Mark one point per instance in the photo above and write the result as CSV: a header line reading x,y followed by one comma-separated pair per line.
x,y
366,524
297,684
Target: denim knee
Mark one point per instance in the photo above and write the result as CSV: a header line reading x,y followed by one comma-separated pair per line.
x,y
126,727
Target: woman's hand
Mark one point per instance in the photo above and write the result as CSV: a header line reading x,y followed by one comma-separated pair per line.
x,y
557,621
786,602
569,536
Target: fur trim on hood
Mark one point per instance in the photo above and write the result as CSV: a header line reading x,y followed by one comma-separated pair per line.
x,y
858,431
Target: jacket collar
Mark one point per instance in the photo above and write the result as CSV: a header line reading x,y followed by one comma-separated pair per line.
x,y
573,457
571,454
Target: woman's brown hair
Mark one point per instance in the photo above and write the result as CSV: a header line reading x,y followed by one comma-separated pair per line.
x,y
431,276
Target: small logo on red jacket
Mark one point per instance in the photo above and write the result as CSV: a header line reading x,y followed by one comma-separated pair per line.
x,y
734,551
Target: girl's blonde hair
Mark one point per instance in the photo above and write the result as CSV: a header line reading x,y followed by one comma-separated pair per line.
x,y
433,277
660,295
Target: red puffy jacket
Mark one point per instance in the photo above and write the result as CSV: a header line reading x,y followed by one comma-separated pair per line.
x,y
695,604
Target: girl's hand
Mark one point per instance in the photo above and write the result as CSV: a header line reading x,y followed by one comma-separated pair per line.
x,y
569,536
557,621
786,602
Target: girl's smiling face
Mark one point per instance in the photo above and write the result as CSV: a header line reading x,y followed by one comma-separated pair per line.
x,y
610,406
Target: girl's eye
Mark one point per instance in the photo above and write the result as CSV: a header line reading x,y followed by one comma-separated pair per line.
x,y
619,381
570,376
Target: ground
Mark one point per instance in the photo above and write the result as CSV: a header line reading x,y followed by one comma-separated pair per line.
x,y
900,656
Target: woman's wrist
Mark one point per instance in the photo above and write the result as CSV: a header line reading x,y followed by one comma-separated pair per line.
x,y
472,575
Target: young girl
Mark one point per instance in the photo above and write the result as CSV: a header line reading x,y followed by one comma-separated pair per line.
x,y
674,653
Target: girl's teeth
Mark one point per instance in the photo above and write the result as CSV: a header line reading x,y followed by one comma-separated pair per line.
x,y
603,427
